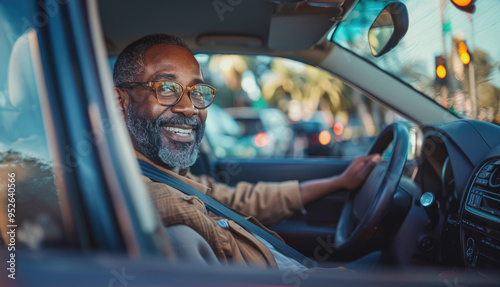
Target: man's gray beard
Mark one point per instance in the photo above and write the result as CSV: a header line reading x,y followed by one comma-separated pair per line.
x,y
148,137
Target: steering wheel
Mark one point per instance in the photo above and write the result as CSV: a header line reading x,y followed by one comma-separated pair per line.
x,y
363,211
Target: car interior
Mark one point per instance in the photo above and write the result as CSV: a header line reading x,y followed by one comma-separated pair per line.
x,y
298,31
434,201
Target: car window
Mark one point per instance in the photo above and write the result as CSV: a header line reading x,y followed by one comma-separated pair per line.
x,y
285,108
30,213
447,54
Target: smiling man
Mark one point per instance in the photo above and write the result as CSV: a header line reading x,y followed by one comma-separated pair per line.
x,y
166,128
163,97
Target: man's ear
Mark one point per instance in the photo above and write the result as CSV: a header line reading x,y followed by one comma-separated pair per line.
x,y
123,100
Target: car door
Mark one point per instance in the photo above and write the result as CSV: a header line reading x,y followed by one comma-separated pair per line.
x,y
66,187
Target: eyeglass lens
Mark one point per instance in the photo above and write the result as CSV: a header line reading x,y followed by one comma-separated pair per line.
x,y
169,92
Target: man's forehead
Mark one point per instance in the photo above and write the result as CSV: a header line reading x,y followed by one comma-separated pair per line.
x,y
167,70
169,57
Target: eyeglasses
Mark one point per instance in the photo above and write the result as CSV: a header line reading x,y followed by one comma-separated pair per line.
x,y
169,93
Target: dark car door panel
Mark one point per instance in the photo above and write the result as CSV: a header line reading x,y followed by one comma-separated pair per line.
x,y
304,231
232,171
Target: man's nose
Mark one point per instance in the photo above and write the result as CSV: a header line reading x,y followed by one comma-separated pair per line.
x,y
185,106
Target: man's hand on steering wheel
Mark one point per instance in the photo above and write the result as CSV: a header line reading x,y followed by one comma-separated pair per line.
x,y
358,171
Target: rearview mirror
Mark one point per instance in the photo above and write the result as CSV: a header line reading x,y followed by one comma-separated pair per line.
x,y
388,29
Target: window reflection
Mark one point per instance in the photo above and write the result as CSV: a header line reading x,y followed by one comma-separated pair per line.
x,y
29,200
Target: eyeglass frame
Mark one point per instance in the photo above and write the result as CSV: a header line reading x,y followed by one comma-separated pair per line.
x,y
155,84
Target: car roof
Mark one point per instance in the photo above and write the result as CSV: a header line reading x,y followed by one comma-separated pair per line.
x,y
254,27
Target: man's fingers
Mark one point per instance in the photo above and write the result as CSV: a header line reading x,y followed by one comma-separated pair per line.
x,y
359,162
357,172
374,156
367,158
374,160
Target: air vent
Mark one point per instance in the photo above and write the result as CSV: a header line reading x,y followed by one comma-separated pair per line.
x,y
489,175
484,196
495,177
487,202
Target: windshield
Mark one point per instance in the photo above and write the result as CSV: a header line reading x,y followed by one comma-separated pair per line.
x,y
466,46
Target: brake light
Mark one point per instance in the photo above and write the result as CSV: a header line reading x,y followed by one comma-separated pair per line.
x,y
261,139
324,137
338,128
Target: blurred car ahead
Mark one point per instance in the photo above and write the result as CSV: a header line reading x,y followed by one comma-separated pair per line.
x,y
315,135
265,129
351,138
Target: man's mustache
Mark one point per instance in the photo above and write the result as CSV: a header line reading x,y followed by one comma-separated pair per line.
x,y
193,122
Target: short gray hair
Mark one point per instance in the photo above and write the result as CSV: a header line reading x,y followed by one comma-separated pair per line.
x,y
131,60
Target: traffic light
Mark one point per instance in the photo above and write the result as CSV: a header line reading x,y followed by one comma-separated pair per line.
x,y
441,73
463,53
465,5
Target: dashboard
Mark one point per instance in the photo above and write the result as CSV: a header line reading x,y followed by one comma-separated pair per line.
x,y
459,175
480,217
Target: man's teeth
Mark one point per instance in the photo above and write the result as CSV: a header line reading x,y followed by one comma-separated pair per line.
x,y
179,131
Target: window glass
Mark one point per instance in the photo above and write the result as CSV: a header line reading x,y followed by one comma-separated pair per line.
x,y
275,107
30,214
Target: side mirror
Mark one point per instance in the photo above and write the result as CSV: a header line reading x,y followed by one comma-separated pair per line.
x,y
388,29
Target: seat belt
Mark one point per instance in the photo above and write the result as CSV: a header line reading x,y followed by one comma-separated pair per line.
x,y
220,210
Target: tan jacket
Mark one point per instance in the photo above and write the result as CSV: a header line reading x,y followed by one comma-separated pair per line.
x,y
268,202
